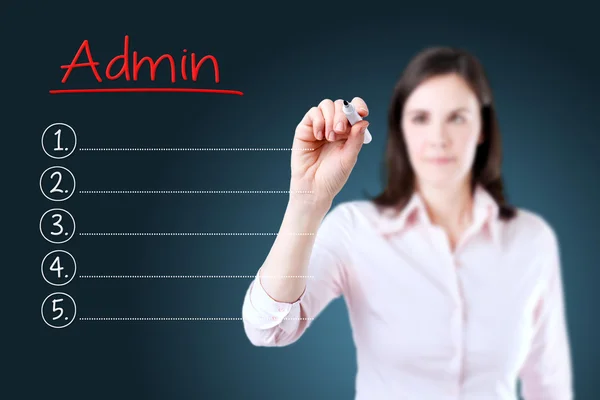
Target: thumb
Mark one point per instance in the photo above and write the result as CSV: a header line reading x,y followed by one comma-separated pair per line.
x,y
354,142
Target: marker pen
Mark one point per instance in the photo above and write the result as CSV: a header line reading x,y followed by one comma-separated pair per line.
x,y
353,118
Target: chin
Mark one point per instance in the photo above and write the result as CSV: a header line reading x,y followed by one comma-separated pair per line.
x,y
442,180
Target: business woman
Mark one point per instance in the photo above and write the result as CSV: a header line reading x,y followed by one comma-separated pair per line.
x,y
451,292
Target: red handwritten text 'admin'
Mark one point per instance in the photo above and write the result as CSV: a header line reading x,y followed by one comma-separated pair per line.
x,y
133,71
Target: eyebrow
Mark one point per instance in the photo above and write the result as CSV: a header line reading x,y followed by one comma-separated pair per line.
x,y
420,110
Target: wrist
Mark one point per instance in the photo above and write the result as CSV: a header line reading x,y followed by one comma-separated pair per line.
x,y
309,205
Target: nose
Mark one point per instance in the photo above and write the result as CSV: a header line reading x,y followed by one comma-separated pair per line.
x,y
438,136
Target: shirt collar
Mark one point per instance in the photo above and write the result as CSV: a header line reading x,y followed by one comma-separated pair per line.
x,y
393,220
485,214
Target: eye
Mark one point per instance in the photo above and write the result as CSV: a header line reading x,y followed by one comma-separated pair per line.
x,y
457,118
419,119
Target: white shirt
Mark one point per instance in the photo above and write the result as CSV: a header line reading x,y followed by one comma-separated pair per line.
x,y
428,323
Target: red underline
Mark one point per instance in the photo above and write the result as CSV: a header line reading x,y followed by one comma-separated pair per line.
x,y
121,90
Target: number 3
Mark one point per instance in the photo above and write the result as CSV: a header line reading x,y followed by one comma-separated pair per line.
x,y
57,223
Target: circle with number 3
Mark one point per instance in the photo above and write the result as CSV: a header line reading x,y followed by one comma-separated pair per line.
x,y
57,183
59,141
58,310
57,225
59,267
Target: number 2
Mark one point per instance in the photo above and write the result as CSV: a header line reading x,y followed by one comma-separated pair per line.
x,y
55,188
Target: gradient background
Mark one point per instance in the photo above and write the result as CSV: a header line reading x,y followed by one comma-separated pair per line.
x,y
542,65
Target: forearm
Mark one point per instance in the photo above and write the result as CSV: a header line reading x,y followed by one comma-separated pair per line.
x,y
290,254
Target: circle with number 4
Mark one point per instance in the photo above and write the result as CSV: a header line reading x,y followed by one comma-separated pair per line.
x,y
57,183
58,310
57,225
59,140
59,267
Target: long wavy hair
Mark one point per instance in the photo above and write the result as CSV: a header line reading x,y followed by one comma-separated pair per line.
x,y
399,176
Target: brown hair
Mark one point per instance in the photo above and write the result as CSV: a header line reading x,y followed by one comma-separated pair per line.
x,y
486,166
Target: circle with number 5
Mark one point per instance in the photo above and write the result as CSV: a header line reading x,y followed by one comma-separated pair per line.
x,y
57,225
58,310
59,141
59,267
57,183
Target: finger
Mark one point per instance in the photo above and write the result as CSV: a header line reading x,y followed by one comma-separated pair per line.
x,y
354,143
314,120
360,106
340,121
328,110
363,110
345,134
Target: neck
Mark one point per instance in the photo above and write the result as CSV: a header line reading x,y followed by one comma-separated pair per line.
x,y
449,207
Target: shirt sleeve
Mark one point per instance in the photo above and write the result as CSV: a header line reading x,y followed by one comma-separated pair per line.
x,y
268,322
547,372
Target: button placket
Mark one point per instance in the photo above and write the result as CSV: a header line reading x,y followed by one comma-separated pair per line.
x,y
456,261
459,318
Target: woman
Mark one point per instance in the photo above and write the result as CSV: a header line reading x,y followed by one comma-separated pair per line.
x,y
451,292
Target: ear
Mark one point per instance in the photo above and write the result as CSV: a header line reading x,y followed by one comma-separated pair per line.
x,y
481,138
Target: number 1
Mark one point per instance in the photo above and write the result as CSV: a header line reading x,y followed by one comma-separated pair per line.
x,y
58,141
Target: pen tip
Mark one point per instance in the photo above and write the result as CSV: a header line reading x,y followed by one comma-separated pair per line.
x,y
345,103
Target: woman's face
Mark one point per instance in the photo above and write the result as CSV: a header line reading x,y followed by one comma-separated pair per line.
x,y
442,127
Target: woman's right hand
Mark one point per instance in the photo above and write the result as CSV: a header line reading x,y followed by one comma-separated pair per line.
x,y
319,174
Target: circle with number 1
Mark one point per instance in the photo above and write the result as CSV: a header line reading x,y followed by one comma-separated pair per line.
x,y
57,183
58,310
59,140
59,267
57,225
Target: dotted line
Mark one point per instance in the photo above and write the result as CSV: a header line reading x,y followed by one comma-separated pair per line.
x,y
187,276
193,149
191,233
180,318
191,191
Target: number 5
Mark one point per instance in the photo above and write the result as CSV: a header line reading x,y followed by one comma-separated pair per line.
x,y
55,309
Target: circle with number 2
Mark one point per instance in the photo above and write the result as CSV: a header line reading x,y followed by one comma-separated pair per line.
x,y
57,183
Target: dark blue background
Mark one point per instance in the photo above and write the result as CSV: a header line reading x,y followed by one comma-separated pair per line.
x,y
542,65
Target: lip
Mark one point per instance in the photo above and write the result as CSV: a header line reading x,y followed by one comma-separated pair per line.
x,y
440,160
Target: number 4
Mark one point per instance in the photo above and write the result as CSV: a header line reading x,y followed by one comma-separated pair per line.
x,y
56,266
